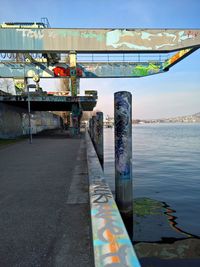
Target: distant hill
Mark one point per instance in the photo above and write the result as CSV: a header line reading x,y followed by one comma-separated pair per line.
x,y
185,119
197,114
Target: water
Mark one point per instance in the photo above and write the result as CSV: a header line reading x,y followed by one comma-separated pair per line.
x,y
166,168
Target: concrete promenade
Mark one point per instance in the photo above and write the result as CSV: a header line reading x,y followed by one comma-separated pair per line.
x,y
44,205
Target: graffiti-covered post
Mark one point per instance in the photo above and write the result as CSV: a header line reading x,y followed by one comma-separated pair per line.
x,y
99,137
123,157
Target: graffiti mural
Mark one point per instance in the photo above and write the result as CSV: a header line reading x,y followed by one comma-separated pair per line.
x,y
146,69
84,70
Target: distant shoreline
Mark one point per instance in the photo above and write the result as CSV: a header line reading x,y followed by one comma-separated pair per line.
x,y
167,122
179,119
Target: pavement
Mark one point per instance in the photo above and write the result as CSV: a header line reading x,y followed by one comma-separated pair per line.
x,y
44,205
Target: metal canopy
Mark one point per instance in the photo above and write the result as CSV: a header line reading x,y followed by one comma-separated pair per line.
x,y
97,40
50,103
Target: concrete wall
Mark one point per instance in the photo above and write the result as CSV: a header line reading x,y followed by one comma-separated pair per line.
x,y
40,121
14,121
10,121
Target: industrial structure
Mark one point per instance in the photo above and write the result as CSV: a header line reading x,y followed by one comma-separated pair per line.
x,y
33,50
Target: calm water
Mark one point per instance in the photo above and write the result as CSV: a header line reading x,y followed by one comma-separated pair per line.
x,y
166,168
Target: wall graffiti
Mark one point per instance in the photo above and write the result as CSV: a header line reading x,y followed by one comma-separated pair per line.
x,y
30,33
102,193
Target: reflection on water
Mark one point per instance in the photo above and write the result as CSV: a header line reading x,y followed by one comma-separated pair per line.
x,y
166,170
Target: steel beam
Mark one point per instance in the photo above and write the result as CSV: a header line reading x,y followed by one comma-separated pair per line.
x,y
97,40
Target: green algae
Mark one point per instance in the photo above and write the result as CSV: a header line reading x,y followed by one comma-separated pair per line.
x,y
146,206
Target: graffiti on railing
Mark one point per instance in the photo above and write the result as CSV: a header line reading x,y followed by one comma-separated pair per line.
x,y
112,245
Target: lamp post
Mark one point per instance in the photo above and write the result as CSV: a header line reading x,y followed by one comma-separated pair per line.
x,y
29,112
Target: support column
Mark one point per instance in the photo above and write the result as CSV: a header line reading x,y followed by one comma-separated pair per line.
x,y
76,109
76,118
123,157
73,76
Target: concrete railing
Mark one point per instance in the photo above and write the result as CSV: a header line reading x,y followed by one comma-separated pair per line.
x,y
111,243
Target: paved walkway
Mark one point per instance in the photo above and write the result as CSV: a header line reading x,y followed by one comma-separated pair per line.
x,y
44,206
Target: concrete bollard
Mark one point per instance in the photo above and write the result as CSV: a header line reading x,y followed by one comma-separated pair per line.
x,y
99,137
123,157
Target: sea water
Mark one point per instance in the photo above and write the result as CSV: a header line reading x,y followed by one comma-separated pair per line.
x,y
166,168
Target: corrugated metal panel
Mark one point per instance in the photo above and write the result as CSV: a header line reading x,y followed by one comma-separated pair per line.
x,y
97,40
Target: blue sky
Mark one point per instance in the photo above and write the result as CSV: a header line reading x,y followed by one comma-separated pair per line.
x,y
176,92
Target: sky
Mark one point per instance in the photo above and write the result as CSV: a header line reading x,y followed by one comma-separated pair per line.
x,y
171,94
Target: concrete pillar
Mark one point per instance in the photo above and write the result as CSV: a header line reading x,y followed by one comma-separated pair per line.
x,y
73,76
123,157
76,118
99,137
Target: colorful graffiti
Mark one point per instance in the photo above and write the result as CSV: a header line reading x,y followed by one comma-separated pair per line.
x,y
112,246
146,69
91,70
175,58
149,39
66,72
